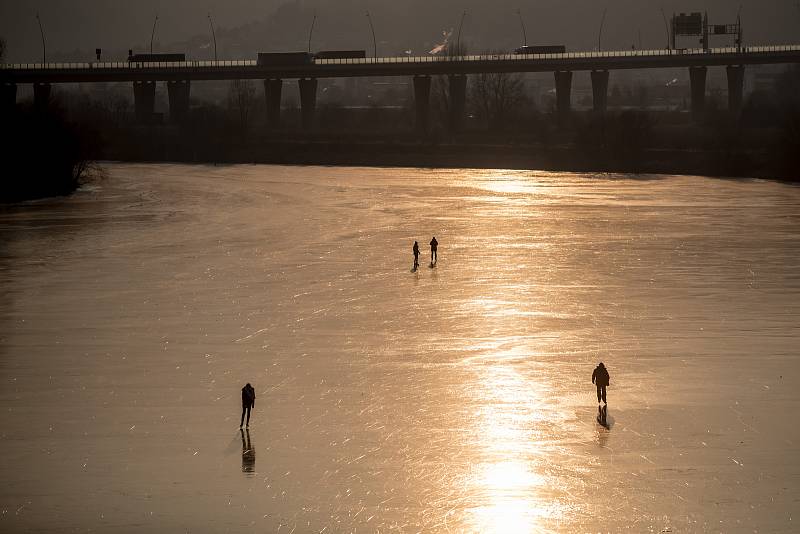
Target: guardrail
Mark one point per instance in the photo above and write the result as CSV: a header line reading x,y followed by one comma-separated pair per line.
x,y
125,65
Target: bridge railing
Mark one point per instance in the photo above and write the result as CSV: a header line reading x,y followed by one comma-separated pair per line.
x,y
129,65
125,65
564,55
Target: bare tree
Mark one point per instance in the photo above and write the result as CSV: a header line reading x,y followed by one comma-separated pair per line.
x,y
495,95
441,100
120,106
241,98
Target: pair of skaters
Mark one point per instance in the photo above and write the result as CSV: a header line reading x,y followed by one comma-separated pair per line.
x,y
434,247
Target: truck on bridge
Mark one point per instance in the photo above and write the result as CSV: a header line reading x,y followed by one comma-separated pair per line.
x,y
541,49
306,58
284,58
155,58
340,54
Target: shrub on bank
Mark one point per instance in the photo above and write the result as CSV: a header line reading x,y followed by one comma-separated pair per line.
x,y
42,155
614,141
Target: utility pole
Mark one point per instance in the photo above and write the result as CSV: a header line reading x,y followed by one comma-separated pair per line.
x,y
153,34
522,23
213,35
374,42
44,46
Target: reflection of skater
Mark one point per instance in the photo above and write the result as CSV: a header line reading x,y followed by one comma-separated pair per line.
x,y
601,379
248,402
602,415
416,255
434,246
248,453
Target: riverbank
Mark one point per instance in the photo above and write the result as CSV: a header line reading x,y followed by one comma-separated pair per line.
x,y
561,158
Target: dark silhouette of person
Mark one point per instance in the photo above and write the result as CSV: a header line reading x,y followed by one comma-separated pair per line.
x,y
416,254
248,453
248,402
601,379
434,246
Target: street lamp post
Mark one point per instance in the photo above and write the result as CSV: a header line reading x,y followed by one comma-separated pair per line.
x,y
458,37
666,26
153,34
41,32
213,35
600,34
522,23
374,42
311,31
739,29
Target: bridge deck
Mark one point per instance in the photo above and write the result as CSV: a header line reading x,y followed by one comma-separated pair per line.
x,y
395,66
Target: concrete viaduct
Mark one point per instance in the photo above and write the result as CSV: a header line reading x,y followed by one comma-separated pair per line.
x,y
179,75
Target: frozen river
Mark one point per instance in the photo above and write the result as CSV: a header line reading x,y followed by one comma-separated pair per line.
x,y
451,399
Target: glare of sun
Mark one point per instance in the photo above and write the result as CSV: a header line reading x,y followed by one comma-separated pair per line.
x,y
509,478
509,486
509,491
509,182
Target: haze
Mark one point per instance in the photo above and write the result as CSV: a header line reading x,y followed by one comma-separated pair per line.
x,y
74,29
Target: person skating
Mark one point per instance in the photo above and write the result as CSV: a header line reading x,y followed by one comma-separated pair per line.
x,y
248,402
434,246
601,379
415,249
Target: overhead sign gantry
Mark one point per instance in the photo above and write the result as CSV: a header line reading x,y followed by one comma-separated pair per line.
x,y
696,25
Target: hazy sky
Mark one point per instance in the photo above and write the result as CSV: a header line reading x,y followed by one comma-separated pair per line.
x,y
119,25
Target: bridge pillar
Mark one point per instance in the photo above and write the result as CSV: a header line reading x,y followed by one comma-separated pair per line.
x,y
563,94
697,78
308,101
272,93
458,100
735,88
178,92
600,90
41,95
422,98
8,96
144,101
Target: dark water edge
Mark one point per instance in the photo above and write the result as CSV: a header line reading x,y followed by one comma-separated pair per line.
x,y
755,164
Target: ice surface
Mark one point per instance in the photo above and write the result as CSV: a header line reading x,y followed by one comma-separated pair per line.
x,y
451,399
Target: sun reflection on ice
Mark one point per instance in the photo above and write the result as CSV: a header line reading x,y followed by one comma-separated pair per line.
x,y
510,498
508,182
509,485
509,516
509,477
